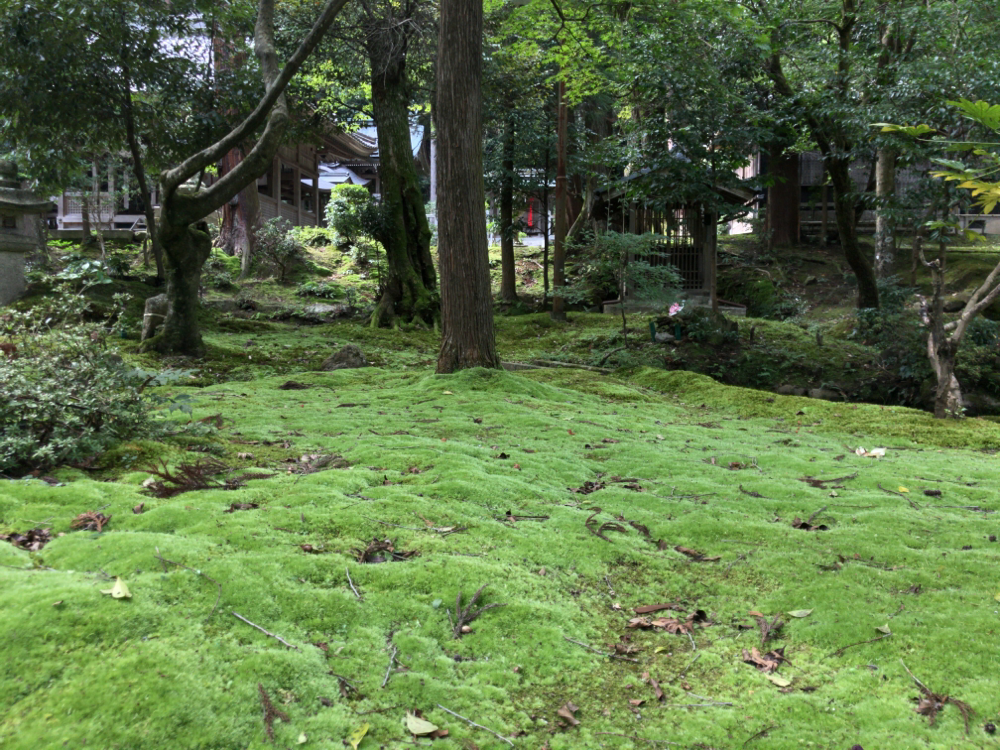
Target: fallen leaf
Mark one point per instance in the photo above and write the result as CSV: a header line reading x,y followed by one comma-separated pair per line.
x,y
357,735
233,507
417,726
764,662
903,489
884,629
656,689
636,701
800,612
139,508
778,680
90,521
31,540
119,590
448,393
567,712
303,739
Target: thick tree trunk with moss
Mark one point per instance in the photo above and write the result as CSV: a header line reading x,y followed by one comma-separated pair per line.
x,y
185,240
410,287
185,250
508,279
467,335
843,205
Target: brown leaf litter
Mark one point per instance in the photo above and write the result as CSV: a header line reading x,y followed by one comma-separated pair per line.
x,y
827,484
197,476
233,507
31,540
313,462
766,663
671,624
90,521
587,487
270,712
293,385
382,550
807,525
697,556
930,703
464,616
567,712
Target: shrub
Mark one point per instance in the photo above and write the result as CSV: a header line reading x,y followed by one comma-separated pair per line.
x,y
63,396
321,289
353,215
278,246
221,270
612,258
313,236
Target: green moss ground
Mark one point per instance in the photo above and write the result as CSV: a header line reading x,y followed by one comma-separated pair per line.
x,y
163,670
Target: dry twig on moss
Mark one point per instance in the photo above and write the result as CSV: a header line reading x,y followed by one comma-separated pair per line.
x,y
479,726
270,712
464,616
265,632
164,561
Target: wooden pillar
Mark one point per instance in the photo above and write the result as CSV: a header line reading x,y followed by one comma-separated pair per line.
x,y
711,256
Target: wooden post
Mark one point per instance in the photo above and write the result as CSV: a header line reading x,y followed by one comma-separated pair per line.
x,y
825,214
711,246
562,223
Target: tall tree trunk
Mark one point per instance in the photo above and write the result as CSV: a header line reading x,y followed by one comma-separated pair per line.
x,y
88,232
410,285
885,191
139,170
838,167
186,248
562,220
467,336
241,217
783,198
508,278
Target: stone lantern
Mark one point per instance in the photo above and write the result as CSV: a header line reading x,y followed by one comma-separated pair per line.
x,y
17,206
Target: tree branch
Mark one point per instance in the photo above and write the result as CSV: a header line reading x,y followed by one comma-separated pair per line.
x,y
275,85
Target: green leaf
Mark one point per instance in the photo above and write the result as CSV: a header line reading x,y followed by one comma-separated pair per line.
x,y
800,612
357,735
950,163
436,603
884,629
914,131
778,680
303,739
417,726
119,590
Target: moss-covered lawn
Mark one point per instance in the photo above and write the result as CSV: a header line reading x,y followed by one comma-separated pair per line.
x,y
435,465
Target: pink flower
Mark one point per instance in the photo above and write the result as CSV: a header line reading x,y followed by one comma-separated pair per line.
x,y
675,308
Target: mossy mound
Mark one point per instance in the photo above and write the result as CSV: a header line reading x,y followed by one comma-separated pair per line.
x,y
484,475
